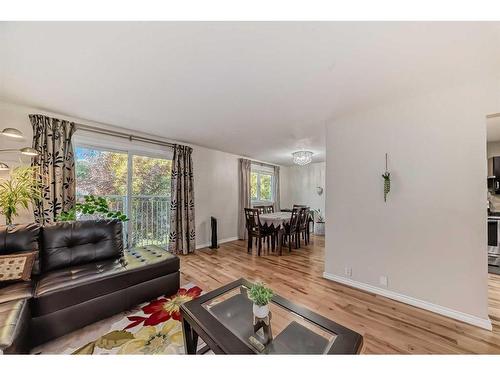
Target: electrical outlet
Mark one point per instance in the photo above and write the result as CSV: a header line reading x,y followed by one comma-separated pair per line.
x,y
383,280
348,271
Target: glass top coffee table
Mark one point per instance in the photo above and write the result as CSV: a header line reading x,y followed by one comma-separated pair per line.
x,y
224,320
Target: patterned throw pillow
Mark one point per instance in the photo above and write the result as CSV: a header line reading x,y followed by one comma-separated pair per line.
x,y
16,266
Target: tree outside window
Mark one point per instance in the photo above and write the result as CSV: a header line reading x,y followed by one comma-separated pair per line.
x,y
253,186
261,186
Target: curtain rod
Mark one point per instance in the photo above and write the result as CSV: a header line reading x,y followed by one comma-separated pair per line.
x,y
263,164
118,134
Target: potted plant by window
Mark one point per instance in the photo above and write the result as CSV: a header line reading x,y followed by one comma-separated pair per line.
x,y
19,190
93,208
319,225
261,296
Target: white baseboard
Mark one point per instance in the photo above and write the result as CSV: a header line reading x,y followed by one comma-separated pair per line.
x,y
445,311
203,245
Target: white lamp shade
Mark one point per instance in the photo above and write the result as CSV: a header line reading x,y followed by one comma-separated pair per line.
x,y
12,133
28,151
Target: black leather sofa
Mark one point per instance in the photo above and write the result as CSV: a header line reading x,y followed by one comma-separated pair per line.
x,y
82,274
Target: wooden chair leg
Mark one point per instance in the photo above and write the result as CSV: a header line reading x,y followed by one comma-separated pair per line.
x,y
280,242
249,249
259,246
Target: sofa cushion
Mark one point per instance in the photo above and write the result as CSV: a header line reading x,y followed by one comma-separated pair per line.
x,y
20,238
16,267
62,288
73,243
15,291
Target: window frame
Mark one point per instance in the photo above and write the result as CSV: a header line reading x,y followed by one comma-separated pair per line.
x,y
259,171
109,145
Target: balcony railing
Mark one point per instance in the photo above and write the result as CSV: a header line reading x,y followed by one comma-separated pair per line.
x,y
149,218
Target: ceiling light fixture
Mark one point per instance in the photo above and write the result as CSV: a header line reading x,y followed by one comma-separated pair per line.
x,y
25,151
302,157
28,151
12,133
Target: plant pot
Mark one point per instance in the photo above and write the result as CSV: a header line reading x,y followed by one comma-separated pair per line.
x,y
319,229
260,311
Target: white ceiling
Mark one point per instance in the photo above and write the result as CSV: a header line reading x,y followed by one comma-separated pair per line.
x,y
252,88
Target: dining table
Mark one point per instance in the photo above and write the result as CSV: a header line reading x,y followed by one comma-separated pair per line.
x,y
278,219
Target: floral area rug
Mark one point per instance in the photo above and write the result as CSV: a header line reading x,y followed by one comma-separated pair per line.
x,y
151,328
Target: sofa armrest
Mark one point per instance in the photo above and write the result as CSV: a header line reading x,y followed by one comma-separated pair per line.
x,y
14,323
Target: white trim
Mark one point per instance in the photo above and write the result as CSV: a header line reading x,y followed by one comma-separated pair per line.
x,y
204,245
445,311
264,169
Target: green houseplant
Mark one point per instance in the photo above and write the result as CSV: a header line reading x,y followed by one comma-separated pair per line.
x,y
19,190
92,205
261,296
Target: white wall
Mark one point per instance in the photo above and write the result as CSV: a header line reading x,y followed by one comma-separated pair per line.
x,y
493,149
432,249
299,185
215,179
12,116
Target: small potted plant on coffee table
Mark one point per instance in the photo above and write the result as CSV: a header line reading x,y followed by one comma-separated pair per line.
x,y
261,296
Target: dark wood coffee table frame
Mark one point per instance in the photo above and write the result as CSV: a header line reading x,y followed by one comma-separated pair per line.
x,y
199,322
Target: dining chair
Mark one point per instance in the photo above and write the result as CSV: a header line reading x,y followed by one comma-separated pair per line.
x,y
255,229
262,209
290,230
309,222
269,209
303,226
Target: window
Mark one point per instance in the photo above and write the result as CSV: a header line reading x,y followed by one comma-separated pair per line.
x,y
261,184
136,184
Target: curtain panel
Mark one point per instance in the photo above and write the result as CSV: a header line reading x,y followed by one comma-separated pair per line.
x,y
244,200
182,237
52,140
276,187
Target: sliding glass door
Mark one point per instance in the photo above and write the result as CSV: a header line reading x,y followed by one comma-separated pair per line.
x,y
150,200
136,184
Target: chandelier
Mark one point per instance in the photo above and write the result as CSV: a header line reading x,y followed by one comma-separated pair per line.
x,y
302,157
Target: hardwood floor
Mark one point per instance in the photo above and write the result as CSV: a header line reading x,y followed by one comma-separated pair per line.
x,y
387,326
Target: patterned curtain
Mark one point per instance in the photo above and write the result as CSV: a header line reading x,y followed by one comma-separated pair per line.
x,y
244,200
52,140
182,226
